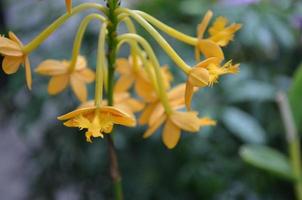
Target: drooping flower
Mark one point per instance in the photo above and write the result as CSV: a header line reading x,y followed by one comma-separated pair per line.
x,y
174,123
175,97
68,5
206,73
219,35
132,72
12,50
61,76
122,101
96,120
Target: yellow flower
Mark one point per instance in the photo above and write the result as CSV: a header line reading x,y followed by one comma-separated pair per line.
x,y
61,77
220,36
12,50
206,73
175,97
122,101
174,123
97,121
133,73
68,5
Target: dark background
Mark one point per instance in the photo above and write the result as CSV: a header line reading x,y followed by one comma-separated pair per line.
x,y
41,159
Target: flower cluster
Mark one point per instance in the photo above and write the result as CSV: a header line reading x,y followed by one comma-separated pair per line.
x,y
159,103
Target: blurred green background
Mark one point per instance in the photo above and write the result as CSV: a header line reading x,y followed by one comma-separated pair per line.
x,y
41,159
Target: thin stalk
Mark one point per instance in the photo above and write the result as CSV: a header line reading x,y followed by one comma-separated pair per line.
x,y
99,66
293,141
111,57
59,22
160,40
79,37
168,29
162,92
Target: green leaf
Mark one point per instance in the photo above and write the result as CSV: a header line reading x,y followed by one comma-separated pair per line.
x,y
268,159
252,90
243,125
295,97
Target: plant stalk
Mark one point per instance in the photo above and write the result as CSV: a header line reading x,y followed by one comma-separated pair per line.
x,y
111,57
293,141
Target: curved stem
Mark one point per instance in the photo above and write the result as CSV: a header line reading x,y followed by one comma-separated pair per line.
x,y
156,65
79,38
160,40
169,30
59,22
99,66
135,49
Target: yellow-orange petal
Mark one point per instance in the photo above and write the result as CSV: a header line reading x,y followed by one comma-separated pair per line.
x,y
68,5
145,116
28,73
57,84
77,112
10,48
171,134
187,121
10,65
14,38
188,95
145,89
81,62
177,92
87,75
151,130
210,49
123,66
205,63
205,121
204,24
123,83
126,120
157,112
199,77
51,68
78,86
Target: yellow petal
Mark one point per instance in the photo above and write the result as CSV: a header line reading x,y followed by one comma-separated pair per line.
x,y
145,89
77,112
210,49
124,83
14,38
134,105
123,66
204,24
145,116
171,134
9,47
87,75
125,120
218,25
81,63
207,122
150,131
51,68
57,84
78,86
28,73
189,95
157,112
205,63
68,5
187,121
199,77
11,65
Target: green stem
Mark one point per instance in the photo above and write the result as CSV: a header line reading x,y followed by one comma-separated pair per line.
x,y
293,141
111,57
79,37
59,22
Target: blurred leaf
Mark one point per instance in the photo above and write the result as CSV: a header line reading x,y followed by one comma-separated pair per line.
x,y
243,125
295,97
252,91
268,159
